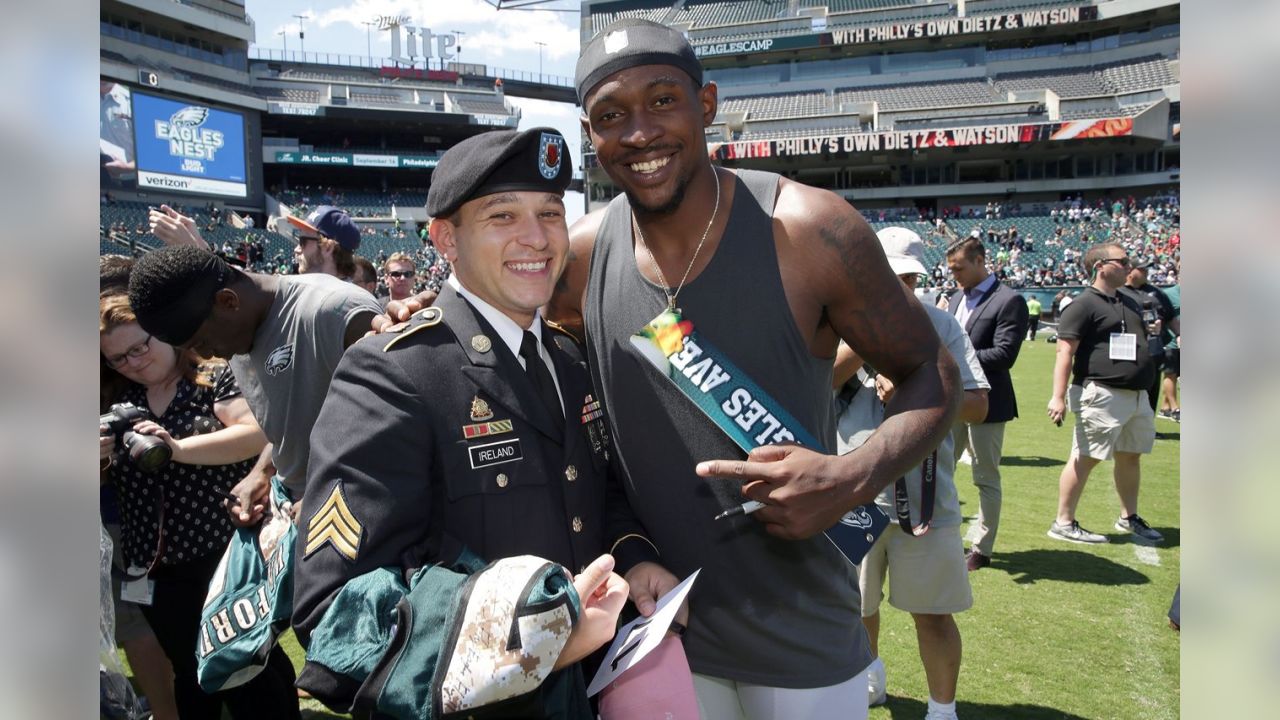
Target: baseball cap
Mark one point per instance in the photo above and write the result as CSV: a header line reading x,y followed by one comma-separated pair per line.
x,y
904,250
333,223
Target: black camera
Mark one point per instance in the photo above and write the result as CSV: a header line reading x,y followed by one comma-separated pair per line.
x,y
148,452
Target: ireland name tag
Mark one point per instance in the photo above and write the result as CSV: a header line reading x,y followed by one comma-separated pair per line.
x,y
743,411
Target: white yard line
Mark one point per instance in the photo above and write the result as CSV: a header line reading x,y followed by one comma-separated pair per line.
x,y
1146,555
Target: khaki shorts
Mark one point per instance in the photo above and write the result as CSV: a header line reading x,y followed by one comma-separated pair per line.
x,y
927,574
1110,420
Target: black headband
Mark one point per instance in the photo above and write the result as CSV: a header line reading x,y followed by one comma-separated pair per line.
x,y
628,43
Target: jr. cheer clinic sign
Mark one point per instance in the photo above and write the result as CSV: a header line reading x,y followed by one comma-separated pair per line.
x,y
188,147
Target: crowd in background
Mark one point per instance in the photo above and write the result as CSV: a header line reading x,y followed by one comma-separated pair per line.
x,y
251,252
1149,230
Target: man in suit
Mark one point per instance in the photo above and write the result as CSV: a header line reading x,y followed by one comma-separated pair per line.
x,y
995,317
467,435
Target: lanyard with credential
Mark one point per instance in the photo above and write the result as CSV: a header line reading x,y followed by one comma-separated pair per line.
x,y
902,501
928,488
742,410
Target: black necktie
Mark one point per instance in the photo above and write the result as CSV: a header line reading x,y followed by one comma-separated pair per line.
x,y
538,374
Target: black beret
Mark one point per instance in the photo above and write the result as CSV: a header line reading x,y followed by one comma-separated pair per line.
x,y
501,161
630,42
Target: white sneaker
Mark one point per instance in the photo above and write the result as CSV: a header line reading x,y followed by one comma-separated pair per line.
x,y
876,694
932,715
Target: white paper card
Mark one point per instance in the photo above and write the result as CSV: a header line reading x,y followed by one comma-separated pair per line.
x,y
1124,346
640,636
139,592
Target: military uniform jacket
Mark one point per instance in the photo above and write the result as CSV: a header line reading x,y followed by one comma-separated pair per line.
x,y
432,439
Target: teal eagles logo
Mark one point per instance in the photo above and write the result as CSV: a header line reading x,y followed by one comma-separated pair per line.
x,y
279,360
550,151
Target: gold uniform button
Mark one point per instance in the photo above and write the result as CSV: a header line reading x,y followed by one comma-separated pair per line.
x,y
502,480
577,524
571,473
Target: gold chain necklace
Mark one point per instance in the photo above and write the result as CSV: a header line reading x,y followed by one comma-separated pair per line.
x,y
666,287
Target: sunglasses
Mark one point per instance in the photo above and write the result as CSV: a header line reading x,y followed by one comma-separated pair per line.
x,y
116,362
402,273
1122,262
303,239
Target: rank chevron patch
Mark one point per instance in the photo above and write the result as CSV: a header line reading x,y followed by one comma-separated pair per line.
x,y
334,524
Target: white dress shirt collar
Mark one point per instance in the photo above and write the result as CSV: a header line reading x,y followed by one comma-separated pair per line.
x,y
511,333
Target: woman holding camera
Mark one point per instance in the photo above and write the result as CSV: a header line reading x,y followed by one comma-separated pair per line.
x,y
174,526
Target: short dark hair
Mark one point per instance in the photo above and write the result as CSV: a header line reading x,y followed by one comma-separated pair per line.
x,y
364,267
1096,254
972,248
171,290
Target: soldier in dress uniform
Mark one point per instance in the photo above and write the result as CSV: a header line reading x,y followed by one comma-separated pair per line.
x,y
459,471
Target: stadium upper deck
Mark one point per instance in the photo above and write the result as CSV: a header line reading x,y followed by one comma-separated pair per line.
x,y
888,99
281,119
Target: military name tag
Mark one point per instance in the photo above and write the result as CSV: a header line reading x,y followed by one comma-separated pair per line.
x,y
495,453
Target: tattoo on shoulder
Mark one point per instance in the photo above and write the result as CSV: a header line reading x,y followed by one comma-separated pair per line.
x,y
838,235
563,283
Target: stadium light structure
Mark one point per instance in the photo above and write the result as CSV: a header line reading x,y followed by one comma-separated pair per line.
x,y
302,35
368,37
284,37
458,48
540,45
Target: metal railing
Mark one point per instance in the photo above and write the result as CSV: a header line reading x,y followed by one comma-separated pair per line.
x,y
374,63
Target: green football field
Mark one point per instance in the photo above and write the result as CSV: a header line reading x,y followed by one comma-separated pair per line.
x,y
1057,630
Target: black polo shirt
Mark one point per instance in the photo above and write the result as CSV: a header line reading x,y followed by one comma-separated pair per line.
x,y
1091,319
1151,312
1164,309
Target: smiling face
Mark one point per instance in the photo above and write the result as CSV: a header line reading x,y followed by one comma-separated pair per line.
x,y
133,353
508,248
646,123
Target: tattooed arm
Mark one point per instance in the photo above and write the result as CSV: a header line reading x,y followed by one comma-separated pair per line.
x,y
565,306
840,287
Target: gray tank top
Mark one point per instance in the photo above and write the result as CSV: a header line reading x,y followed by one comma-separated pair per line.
x,y
763,611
